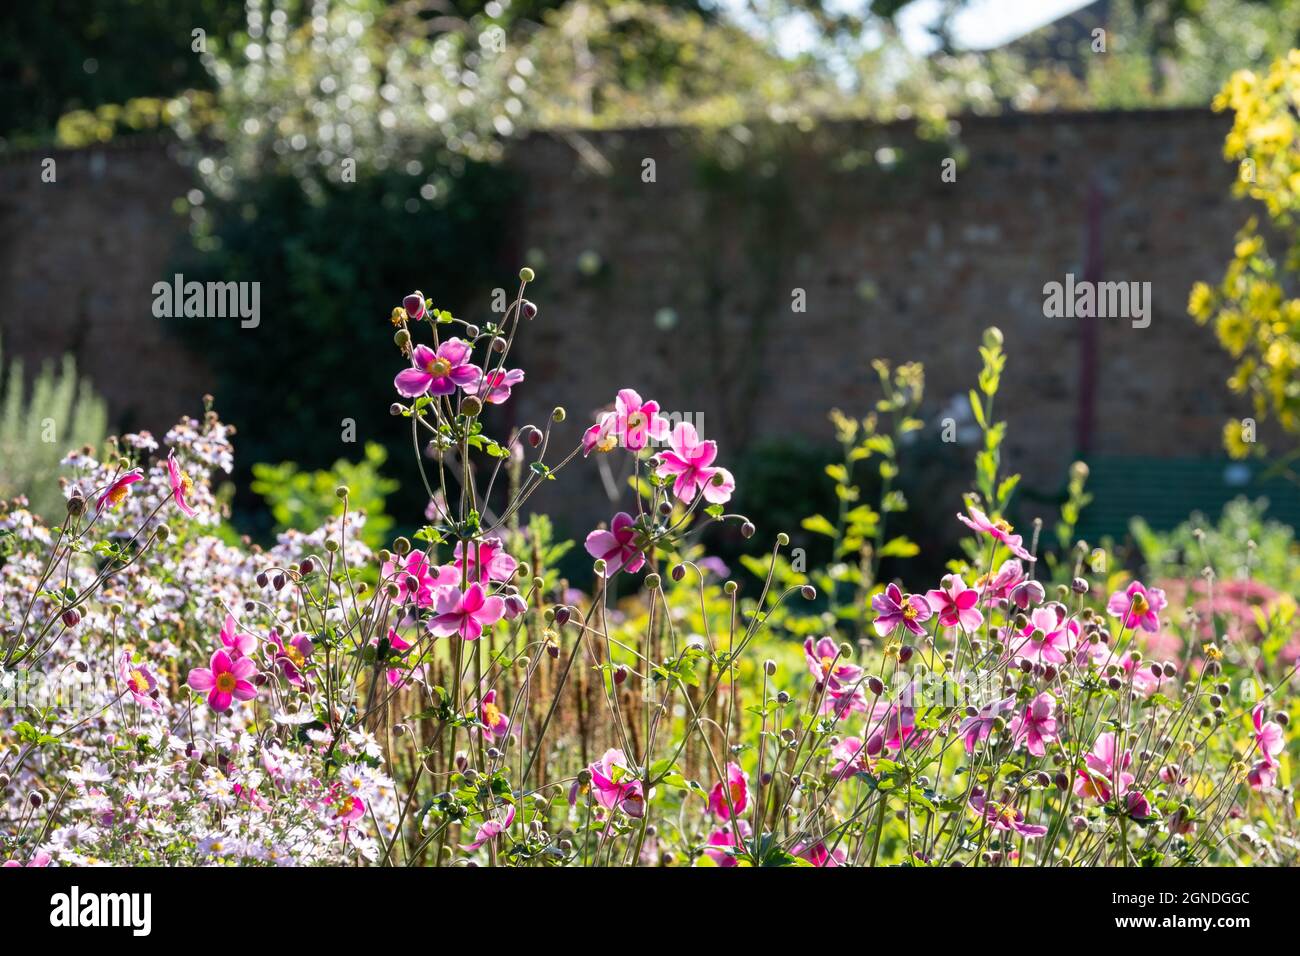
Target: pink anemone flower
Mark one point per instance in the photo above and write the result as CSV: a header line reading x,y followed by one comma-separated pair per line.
x,y
637,422
955,604
1105,774
437,372
976,729
39,859
494,387
116,493
139,682
893,608
493,717
612,785
488,560
1036,724
1138,606
235,642
292,656
850,756
690,465
818,855
997,528
1003,817
735,798
491,829
417,579
617,547
182,486
1046,639
825,663
225,680
722,845
465,614
602,436
1268,734
414,305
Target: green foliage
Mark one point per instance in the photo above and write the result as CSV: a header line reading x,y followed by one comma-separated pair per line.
x,y
1241,544
36,432
305,499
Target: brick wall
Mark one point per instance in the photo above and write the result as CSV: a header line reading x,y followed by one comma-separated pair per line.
x,y
895,264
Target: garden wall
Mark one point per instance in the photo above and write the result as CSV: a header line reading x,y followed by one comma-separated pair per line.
x,y
689,285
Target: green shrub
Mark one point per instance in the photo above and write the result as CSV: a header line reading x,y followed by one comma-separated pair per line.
x,y
37,430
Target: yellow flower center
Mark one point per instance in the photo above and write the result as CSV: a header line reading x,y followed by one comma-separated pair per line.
x,y
226,683
608,443
346,806
439,368
636,421
827,664
491,714
294,655
116,495
187,485
1140,605
138,682
909,613
1002,525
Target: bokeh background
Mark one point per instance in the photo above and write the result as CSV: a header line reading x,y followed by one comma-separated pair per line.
x,y
679,175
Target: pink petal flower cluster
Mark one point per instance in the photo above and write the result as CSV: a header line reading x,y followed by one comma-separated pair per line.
x,y
733,799
690,464
618,546
1270,741
998,529
633,424
956,604
612,785
438,371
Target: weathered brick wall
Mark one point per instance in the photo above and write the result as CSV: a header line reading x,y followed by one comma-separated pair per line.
x,y
895,264
78,260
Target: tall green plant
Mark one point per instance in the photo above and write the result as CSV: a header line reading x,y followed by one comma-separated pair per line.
x,y
37,429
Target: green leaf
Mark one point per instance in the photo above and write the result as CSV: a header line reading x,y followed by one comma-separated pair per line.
x,y
819,525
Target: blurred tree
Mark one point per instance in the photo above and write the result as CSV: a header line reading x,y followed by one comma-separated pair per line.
x,y
1254,309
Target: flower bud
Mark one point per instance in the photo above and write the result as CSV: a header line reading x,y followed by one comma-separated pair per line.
x,y
402,339
678,572
529,309
76,504
747,529
652,581
414,305
71,618
396,409
782,539
470,405
558,414
526,274
620,674
876,686
769,667
1079,586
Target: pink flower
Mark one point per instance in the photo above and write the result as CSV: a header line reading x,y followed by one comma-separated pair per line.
x,y
397,646
466,614
118,490
491,829
1036,724
690,464
617,546
139,681
1268,735
1003,817
1009,574
637,423
488,560
818,855
977,729
725,839
955,604
225,680
1047,637
1104,771
998,529
850,756
415,576
736,796
1028,592
437,373
1138,605
238,644
493,717
494,387
39,859
893,608
612,786
348,807
1140,671
602,436
291,656
824,663
182,486
893,727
